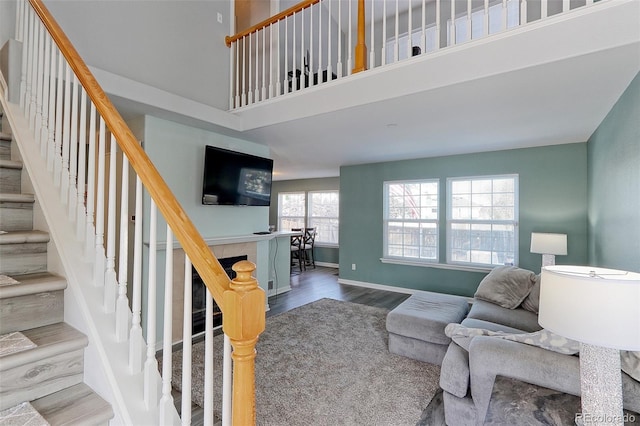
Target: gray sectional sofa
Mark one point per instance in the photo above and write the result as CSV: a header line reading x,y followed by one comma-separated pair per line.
x,y
469,369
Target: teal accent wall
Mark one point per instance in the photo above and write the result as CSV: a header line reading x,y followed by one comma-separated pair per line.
x,y
553,198
614,185
323,254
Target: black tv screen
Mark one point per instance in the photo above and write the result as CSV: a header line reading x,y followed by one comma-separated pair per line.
x,y
236,179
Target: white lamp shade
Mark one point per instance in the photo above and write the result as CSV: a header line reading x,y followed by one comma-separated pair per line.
x,y
544,243
592,305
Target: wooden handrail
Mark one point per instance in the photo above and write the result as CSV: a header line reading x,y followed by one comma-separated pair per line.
x,y
213,275
275,18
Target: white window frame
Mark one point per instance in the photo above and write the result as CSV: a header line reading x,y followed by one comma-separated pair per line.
x,y
301,218
490,222
311,219
434,222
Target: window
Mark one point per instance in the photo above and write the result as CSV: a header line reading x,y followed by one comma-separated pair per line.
x,y
324,216
411,220
482,220
291,210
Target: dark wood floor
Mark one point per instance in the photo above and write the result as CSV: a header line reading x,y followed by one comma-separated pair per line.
x,y
314,284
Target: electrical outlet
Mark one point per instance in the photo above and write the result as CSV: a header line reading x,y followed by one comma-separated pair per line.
x,y
353,266
220,17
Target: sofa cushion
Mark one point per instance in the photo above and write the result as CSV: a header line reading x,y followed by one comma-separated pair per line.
x,y
424,316
515,318
454,372
532,301
506,286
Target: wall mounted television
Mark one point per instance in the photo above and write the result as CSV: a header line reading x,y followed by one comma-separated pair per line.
x,y
235,179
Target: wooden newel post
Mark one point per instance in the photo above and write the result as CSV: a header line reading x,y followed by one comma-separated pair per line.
x,y
360,55
243,321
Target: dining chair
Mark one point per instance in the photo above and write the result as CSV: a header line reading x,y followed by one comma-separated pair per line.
x,y
308,243
297,245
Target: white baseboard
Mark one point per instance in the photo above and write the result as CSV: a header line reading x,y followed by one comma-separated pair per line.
x,y
278,290
403,290
328,265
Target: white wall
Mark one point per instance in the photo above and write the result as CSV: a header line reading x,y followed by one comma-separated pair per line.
x,y
174,45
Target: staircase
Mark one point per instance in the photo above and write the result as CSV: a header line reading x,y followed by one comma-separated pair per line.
x,y
41,357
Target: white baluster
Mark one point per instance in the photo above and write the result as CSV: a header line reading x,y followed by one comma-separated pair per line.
x,y
565,6
136,343
286,56
469,33
25,58
238,70
19,14
486,18
504,15
37,126
257,94
167,409
320,44
383,50
278,84
99,265
311,52
208,360
543,9
250,100
452,30
43,135
303,75
187,331
271,60
423,36
329,56
396,50
82,168
264,60
294,83
227,381
91,188
350,43
110,279
122,303
339,65
66,130
523,12
31,66
244,71
410,40
57,158
151,365
51,119
74,150
438,24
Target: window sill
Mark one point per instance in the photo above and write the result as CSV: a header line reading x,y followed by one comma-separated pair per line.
x,y
435,265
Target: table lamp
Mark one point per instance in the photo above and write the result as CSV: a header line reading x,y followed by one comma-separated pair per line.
x,y
597,307
548,245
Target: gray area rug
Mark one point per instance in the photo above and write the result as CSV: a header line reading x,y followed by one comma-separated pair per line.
x,y
327,363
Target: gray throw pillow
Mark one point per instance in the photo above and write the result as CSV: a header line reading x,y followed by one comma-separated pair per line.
x,y
532,301
506,286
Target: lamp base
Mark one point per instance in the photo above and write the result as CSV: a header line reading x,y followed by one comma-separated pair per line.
x,y
601,386
548,260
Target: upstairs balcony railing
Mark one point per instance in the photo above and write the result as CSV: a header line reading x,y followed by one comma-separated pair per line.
x,y
318,41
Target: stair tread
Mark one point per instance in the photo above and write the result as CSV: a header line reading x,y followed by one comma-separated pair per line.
x,y
32,284
77,404
50,340
11,164
17,198
21,237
